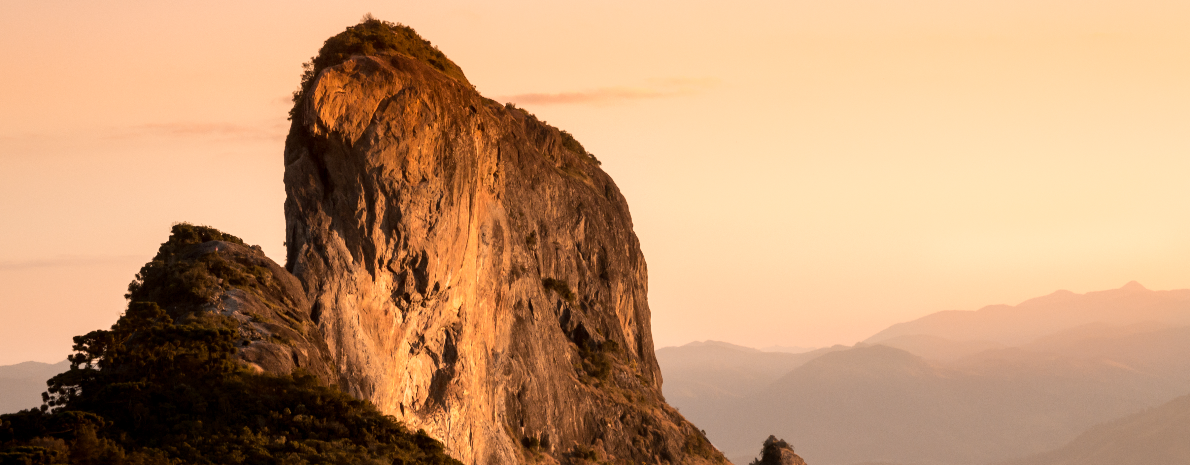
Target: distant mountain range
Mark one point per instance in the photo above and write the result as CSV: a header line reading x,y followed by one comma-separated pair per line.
x,y
1062,310
787,349
707,379
21,385
949,388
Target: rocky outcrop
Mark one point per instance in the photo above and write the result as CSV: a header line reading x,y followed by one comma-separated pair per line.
x,y
474,272
275,332
777,452
201,271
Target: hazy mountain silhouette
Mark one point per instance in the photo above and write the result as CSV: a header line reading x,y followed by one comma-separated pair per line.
x,y
787,349
1031,319
939,348
1009,390
706,377
1156,436
877,402
21,385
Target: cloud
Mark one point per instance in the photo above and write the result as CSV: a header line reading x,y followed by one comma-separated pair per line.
x,y
70,261
659,88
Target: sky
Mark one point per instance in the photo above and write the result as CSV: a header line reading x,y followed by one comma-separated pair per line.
x,y
800,173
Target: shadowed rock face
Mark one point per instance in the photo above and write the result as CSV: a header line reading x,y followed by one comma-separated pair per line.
x,y
473,272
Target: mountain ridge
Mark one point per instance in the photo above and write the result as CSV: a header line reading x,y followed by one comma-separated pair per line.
x,y
21,384
1047,314
929,399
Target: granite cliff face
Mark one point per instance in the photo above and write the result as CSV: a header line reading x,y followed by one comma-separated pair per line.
x,y
473,271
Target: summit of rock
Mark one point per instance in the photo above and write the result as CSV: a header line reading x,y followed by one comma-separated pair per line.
x,y
375,37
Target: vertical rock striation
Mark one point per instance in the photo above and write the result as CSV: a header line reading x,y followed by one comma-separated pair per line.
x,y
473,271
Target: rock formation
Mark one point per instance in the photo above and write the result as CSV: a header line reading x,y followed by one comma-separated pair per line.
x,y
170,382
777,452
201,270
471,269
275,331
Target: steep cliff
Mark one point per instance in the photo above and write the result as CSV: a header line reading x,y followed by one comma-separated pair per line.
x,y
472,270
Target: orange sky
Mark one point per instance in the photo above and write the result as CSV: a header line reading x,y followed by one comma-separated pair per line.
x,y
800,173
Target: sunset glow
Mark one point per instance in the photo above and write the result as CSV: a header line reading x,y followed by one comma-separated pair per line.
x,y
799,173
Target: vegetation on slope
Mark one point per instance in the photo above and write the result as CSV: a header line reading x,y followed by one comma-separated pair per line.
x,y
167,388
776,452
182,284
374,37
567,139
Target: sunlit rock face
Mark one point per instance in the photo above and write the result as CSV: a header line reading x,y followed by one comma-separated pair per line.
x,y
474,272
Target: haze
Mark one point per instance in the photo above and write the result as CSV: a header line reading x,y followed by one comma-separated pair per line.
x,y
800,173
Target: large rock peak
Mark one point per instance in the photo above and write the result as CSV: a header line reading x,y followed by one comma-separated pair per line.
x,y
473,271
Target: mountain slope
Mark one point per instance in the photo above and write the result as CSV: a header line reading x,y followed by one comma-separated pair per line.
x,y
1160,435
21,385
712,368
949,401
937,348
881,404
473,270
707,380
